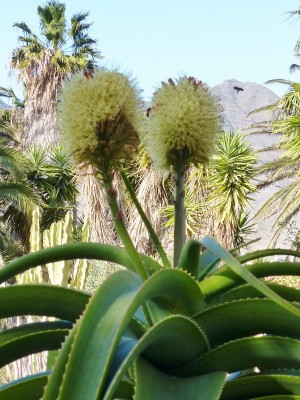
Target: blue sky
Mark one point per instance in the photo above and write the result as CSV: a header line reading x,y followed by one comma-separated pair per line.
x,y
213,40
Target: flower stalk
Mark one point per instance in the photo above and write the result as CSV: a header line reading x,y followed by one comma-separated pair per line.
x,y
120,226
179,210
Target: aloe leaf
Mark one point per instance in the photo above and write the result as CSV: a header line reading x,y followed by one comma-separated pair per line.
x,y
165,346
30,344
67,304
72,251
261,386
29,388
249,317
189,257
247,276
264,352
208,261
246,291
125,391
179,294
267,253
99,332
106,318
225,279
55,380
28,329
152,384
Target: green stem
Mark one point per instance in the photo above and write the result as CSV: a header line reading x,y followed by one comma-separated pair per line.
x,y
179,210
121,228
146,222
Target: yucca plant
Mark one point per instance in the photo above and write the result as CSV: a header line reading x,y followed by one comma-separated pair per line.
x,y
208,328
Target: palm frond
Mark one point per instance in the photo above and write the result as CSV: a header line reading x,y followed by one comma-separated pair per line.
x,y
24,27
278,80
53,23
19,194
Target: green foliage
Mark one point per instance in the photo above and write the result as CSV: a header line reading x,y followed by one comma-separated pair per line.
x,y
30,180
174,331
209,326
70,48
230,175
54,177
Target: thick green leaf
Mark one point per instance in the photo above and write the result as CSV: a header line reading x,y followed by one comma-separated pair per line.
x,y
179,294
257,386
264,352
30,344
106,318
224,279
72,251
125,391
67,304
208,261
249,317
165,345
246,275
98,332
255,255
29,388
28,329
246,291
54,383
152,384
189,258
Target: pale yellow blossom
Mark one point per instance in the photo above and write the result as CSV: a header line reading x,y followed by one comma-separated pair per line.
x,y
99,118
184,122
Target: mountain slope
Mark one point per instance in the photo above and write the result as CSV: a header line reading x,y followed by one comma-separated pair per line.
x,y
237,103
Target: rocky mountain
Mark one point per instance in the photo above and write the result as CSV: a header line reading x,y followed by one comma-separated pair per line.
x,y
237,100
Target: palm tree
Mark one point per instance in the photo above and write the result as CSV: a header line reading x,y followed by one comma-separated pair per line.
x,y
16,192
44,61
31,179
285,169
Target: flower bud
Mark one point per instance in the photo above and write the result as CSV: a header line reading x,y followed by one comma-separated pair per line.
x,y
99,118
183,123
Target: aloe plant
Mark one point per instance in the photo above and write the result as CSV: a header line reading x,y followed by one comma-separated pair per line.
x,y
211,327
199,329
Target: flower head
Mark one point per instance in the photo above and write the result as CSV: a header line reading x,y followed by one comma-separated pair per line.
x,y
184,123
99,118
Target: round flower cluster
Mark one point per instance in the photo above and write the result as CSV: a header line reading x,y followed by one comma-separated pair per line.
x,y
183,123
98,118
